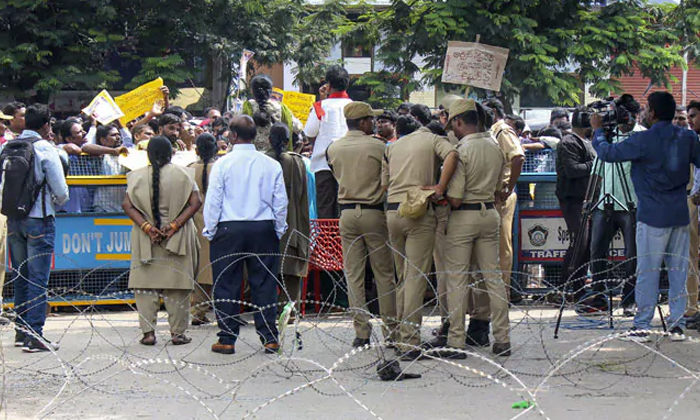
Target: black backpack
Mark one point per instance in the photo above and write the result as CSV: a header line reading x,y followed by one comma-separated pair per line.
x,y
19,189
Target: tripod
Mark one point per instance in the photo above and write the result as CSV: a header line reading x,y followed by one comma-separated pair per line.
x,y
597,194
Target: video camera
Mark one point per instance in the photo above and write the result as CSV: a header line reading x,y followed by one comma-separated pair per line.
x,y
614,112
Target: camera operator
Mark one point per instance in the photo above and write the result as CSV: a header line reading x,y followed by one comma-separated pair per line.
x,y
609,217
575,156
660,159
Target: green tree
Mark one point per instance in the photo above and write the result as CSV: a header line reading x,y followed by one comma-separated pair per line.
x,y
318,29
47,46
556,46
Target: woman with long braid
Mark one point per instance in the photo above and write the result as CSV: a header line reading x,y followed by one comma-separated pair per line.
x,y
207,151
161,200
295,243
266,112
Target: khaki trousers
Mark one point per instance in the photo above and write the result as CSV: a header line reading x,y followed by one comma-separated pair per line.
x,y
478,304
364,234
692,282
201,300
413,241
507,212
473,235
442,214
177,304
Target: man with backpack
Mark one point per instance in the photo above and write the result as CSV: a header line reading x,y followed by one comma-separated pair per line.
x,y
31,183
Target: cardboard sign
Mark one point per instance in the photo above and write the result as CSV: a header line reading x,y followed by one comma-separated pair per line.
x,y
104,108
299,104
140,100
478,65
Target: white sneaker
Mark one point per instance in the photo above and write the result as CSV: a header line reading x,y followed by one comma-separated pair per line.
x,y
677,334
636,336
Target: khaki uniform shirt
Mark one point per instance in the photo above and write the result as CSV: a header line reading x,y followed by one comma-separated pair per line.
x,y
356,162
413,160
480,169
509,143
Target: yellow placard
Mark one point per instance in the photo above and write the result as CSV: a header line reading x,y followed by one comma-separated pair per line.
x,y
277,94
299,103
140,100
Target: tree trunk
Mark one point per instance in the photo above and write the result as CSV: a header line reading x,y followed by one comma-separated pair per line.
x,y
221,77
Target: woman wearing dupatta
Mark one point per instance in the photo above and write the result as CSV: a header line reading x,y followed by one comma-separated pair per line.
x,y
161,200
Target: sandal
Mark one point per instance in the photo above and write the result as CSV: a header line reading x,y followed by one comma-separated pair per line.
x,y
180,339
149,339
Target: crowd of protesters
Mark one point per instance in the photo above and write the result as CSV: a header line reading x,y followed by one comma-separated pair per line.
x,y
415,191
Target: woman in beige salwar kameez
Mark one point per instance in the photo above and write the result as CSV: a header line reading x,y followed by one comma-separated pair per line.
x,y
161,200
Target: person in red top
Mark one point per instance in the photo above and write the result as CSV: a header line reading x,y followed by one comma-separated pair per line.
x,y
326,124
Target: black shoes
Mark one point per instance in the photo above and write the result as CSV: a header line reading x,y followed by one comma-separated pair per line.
x,y
449,353
360,342
592,306
412,355
478,333
19,338
38,344
438,341
501,349
200,321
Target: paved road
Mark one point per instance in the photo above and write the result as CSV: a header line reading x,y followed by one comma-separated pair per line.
x,y
101,372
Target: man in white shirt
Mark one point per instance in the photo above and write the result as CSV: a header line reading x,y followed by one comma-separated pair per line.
x,y
245,215
325,125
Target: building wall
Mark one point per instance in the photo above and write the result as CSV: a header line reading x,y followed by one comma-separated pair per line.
x,y
637,85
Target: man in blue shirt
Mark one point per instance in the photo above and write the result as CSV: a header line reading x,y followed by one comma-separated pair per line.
x,y
660,159
31,240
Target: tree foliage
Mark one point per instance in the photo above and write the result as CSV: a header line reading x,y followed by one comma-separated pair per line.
x,y
556,46
46,46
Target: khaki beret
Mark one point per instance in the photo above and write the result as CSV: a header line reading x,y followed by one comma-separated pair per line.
x,y
358,110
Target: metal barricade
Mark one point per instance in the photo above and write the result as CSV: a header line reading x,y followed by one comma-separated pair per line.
x,y
93,239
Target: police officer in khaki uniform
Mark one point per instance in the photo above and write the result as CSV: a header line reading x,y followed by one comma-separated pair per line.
x,y
356,162
414,161
506,197
473,229
442,213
